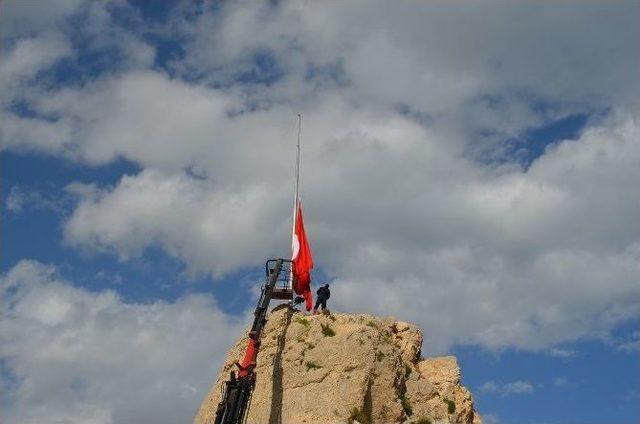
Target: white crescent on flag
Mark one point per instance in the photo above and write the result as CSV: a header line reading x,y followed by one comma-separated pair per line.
x,y
295,247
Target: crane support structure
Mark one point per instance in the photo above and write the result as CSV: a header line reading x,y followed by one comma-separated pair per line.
x,y
237,390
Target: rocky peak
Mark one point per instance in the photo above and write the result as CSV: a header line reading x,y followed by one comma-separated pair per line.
x,y
345,368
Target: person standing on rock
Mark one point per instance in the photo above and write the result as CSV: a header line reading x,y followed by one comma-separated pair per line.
x,y
323,295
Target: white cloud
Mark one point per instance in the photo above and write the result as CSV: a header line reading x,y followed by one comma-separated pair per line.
x,y
485,64
560,382
490,419
29,56
507,389
73,355
15,200
20,18
561,353
209,229
629,344
465,81
37,37
20,199
468,296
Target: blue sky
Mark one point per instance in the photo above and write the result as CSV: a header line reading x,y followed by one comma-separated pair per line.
x,y
481,183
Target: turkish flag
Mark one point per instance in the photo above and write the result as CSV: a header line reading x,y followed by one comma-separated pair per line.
x,y
302,261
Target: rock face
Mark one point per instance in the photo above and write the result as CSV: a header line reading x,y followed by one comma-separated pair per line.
x,y
346,368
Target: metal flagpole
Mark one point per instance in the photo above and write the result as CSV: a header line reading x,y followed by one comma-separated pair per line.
x,y
296,198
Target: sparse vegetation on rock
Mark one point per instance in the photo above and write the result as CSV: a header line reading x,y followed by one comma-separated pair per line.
x,y
327,331
451,406
406,405
311,365
303,321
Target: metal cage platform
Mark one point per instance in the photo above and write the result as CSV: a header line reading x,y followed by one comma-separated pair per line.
x,y
282,290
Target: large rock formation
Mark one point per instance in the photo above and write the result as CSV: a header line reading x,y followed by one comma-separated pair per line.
x,y
343,368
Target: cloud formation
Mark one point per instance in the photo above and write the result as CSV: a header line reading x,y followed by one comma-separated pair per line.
x,y
400,118
518,387
210,230
72,355
487,245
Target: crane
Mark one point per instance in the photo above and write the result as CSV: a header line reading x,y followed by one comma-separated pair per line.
x,y
238,388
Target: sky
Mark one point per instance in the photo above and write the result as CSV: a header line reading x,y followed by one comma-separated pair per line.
x,y
471,167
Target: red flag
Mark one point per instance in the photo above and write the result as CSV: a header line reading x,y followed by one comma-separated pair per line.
x,y
302,261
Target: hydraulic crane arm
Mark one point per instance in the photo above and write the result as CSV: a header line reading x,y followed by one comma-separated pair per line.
x,y
238,389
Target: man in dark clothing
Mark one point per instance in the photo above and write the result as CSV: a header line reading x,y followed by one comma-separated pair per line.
x,y
323,295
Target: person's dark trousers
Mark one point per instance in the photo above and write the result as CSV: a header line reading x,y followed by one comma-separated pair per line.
x,y
320,302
